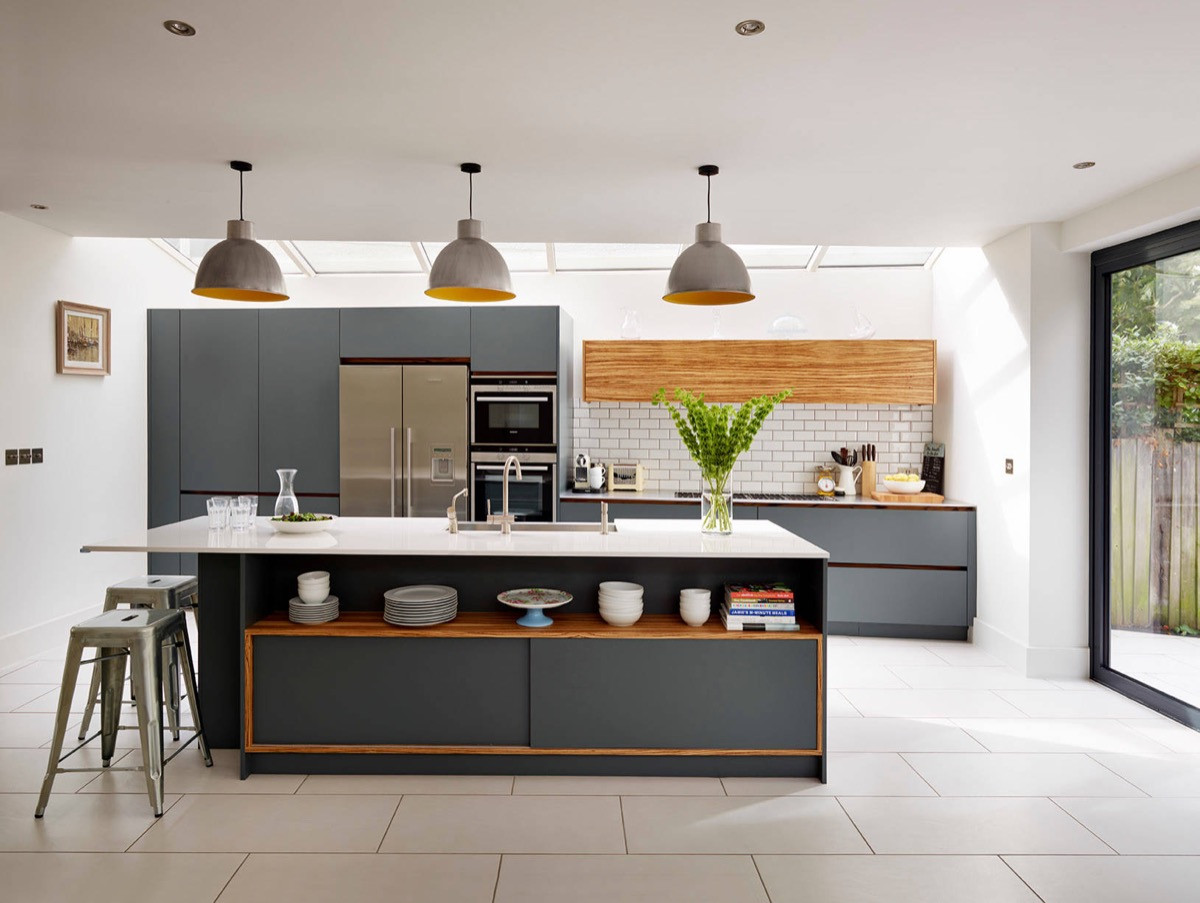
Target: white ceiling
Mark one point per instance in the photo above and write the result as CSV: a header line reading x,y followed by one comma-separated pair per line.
x,y
869,122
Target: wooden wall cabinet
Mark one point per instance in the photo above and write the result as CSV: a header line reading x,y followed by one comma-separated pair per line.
x,y
888,371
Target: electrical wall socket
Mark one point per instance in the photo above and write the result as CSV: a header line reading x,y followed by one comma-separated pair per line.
x,y
10,456
1008,465
38,456
26,455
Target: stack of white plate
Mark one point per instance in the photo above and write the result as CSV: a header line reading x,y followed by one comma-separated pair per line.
x,y
420,606
620,603
307,613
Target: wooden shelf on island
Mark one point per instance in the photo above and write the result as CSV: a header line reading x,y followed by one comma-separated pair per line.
x,y
499,624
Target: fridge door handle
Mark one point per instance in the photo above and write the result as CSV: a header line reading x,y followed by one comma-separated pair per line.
x,y
408,472
392,482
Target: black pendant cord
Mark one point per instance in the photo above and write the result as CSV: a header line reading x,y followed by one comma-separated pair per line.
x,y
471,195
709,201
241,196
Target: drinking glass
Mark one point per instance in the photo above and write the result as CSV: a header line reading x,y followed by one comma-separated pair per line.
x,y
239,514
218,513
252,502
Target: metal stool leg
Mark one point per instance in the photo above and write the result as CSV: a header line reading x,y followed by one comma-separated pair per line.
x,y
170,687
112,692
146,670
70,673
189,679
90,708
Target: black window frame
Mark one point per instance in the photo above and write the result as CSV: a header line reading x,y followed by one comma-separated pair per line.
x,y
1105,262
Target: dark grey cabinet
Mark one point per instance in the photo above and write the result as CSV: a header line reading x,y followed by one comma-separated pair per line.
x,y
893,596
589,512
406,332
162,416
218,400
515,340
881,535
298,354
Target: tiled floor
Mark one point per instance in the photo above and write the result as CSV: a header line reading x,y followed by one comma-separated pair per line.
x,y
1166,661
951,778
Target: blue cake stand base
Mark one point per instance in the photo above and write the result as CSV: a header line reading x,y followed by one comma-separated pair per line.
x,y
535,617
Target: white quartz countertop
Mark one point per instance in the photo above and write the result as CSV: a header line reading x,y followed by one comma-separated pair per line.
x,y
854,501
634,538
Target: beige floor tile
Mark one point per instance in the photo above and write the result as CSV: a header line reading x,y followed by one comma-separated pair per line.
x,y
869,652
268,824
838,706
1166,774
407,783
957,677
931,704
22,770
506,824
899,735
849,676
962,654
850,774
74,822
13,696
110,877
894,879
48,700
1110,879
656,824
363,878
603,879
1019,774
187,773
26,730
1166,733
1100,703
45,672
1085,735
986,826
1143,827
602,785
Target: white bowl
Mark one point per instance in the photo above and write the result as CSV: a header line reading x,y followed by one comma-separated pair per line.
x,y
622,619
620,586
612,594
312,595
635,610
695,606
694,618
905,488
621,606
313,577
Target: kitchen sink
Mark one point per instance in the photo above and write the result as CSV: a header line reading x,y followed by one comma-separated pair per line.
x,y
533,527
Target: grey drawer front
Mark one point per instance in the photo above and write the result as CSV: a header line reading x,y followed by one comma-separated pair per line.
x,y
898,596
881,536
405,332
673,694
368,690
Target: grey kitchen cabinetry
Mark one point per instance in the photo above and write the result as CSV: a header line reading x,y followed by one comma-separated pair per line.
x,y
515,339
162,406
218,400
882,535
405,333
589,512
298,357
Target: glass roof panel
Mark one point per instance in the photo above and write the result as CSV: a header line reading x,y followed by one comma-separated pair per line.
x,y
845,256
575,256
521,256
360,256
194,250
765,257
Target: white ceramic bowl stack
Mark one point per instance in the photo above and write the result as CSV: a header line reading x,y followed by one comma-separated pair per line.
x,y
620,602
313,587
695,606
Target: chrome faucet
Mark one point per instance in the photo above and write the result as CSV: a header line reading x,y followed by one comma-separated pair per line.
x,y
452,511
604,518
504,519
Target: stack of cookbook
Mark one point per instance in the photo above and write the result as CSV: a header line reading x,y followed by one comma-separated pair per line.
x,y
759,606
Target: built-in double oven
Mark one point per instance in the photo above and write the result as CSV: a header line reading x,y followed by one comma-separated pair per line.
x,y
517,416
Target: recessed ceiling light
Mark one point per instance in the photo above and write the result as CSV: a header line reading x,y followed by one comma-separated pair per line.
x,y
750,27
1083,164
180,29
39,206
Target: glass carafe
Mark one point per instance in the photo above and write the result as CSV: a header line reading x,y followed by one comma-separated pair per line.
x,y
286,503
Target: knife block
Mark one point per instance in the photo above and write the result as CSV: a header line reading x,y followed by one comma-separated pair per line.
x,y
869,478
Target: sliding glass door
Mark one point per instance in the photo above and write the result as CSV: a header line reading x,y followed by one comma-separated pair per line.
x,y
1146,470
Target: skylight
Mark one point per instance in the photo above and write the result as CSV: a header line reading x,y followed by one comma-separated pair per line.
x,y
775,257
571,256
845,256
359,256
194,250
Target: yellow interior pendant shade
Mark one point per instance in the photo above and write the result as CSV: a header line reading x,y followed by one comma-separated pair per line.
x,y
708,272
239,268
470,269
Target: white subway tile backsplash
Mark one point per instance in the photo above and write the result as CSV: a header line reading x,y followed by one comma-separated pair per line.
x,y
790,445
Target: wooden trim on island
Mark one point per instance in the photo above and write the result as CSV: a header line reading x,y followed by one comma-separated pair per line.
x,y
516,750
875,371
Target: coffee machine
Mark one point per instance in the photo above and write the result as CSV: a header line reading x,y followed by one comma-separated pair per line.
x,y
579,481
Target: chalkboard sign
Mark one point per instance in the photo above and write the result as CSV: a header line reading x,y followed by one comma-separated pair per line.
x,y
933,467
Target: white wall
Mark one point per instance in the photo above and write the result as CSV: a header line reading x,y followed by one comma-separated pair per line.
x,y
92,485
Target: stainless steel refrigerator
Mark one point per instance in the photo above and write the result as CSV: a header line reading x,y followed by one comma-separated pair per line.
x,y
403,439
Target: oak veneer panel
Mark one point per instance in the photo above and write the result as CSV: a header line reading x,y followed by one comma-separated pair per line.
x,y
891,371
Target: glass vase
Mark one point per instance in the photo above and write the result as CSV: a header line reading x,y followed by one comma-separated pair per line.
x,y
716,504
286,503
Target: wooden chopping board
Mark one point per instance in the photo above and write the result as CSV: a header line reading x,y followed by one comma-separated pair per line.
x,y
922,498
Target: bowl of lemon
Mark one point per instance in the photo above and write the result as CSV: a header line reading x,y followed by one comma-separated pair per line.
x,y
905,483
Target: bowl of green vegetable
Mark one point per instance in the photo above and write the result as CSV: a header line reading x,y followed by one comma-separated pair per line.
x,y
307,522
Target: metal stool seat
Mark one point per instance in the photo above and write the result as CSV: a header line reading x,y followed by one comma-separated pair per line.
x,y
138,635
159,591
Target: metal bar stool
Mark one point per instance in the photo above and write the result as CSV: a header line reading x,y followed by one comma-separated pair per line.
x,y
139,635
161,591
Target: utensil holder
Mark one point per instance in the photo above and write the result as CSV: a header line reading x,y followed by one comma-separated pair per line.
x,y
869,478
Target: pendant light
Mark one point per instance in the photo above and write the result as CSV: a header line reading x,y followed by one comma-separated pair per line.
x,y
470,269
239,268
708,272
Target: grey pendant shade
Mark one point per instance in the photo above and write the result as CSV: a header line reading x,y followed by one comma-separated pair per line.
x,y
239,268
708,272
470,269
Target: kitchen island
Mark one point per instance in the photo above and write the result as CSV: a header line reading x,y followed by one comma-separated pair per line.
x,y
482,694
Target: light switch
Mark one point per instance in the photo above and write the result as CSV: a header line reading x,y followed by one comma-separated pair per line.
x,y
1008,465
26,455
37,456
10,456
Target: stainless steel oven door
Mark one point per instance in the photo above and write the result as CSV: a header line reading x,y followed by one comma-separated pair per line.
x,y
514,415
531,498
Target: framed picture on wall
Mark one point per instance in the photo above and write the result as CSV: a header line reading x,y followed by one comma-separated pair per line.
x,y
82,336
